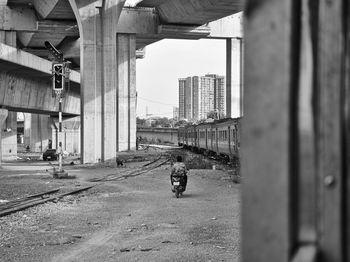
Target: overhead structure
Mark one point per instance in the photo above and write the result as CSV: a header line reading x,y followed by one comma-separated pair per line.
x,y
102,40
195,12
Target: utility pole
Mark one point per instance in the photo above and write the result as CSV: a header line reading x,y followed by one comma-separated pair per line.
x,y
60,77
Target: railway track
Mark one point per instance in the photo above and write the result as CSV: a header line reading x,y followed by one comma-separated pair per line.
x,y
54,195
33,200
139,171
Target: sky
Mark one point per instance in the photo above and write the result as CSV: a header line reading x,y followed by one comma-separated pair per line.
x,y
168,60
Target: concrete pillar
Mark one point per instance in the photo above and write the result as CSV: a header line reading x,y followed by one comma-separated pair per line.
x,y
234,79
37,132
126,138
9,132
71,129
8,37
108,91
3,116
70,134
9,137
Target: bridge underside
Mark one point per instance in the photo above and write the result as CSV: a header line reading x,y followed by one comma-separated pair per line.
x,y
102,39
26,84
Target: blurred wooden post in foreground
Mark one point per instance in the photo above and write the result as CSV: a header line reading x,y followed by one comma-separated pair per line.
x,y
295,131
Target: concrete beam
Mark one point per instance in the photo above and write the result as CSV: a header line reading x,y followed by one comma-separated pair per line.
x,y
27,61
17,18
44,7
41,52
24,94
138,21
144,22
70,48
227,27
195,12
38,39
67,28
54,9
183,32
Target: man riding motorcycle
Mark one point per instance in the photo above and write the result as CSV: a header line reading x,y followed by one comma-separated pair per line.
x,y
179,170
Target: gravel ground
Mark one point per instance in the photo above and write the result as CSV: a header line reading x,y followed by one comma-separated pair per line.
x,y
136,219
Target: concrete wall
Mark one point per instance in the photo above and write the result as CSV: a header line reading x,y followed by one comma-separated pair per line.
x,y
155,134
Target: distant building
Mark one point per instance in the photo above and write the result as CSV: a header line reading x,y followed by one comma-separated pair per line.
x,y
188,98
182,85
198,95
175,113
219,93
203,96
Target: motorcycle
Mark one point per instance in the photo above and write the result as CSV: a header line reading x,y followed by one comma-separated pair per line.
x,y
178,185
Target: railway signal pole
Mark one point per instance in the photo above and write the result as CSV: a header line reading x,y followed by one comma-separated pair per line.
x,y
60,76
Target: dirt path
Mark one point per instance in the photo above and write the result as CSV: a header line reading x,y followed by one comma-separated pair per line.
x,y
201,226
136,219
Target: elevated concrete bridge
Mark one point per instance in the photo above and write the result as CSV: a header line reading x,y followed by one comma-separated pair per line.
x,y
102,39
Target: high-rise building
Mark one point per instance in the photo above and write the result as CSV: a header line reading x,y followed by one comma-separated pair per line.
x,y
182,85
188,99
203,96
219,93
198,95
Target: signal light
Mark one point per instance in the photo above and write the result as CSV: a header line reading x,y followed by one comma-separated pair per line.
x,y
58,77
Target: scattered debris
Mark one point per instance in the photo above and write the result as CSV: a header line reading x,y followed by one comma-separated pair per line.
x,y
119,162
147,249
167,242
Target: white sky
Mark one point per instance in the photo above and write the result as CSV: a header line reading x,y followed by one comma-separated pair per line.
x,y
166,61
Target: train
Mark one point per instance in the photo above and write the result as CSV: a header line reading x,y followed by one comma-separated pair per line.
x,y
220,138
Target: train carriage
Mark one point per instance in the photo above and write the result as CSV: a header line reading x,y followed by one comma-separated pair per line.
x,y
203,133
219,138
226,141
181,136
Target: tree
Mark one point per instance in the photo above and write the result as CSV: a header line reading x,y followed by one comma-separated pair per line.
x,y
140,121
216,114
213,114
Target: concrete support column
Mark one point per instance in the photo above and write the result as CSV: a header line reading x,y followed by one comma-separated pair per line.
x,y
234,77
37,132
9,136
3,116
126,131
9,132
8,37
108,81
70,134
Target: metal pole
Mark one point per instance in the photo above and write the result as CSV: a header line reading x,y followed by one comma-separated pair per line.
x,y
60,134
